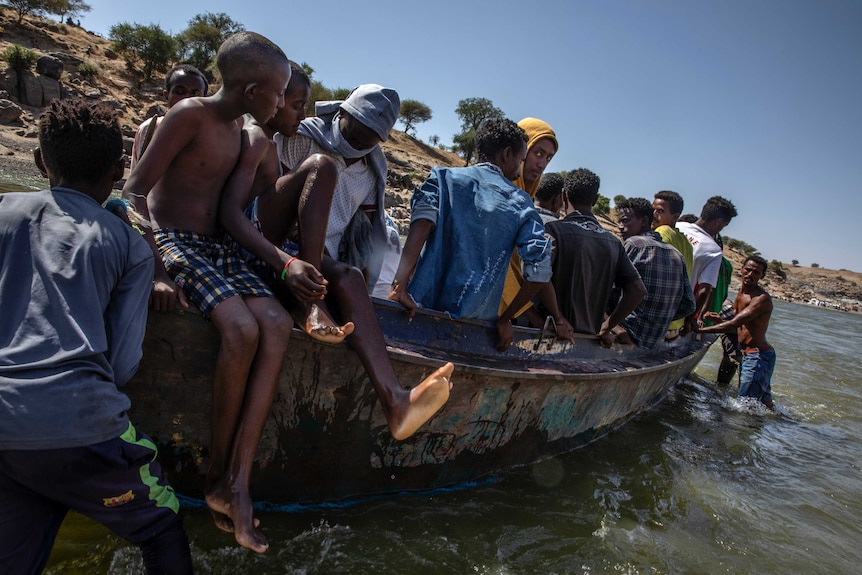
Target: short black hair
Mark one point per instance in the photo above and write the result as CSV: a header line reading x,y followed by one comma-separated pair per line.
x,y
298,77
550,186
673,199
191,71
759,260
495,135
80,140
581,187
641,207
716,208
245,57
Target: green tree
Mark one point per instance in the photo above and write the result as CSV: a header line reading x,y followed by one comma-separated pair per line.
x,y
199,43
618,199
20,60
794,262
320,93
413,112
67,8
28,7
472,111
464,143
602,205
150,46
340,93
815,265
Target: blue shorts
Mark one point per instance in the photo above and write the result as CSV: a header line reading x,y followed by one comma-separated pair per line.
x,y
117,483
755,375
206,269
260,267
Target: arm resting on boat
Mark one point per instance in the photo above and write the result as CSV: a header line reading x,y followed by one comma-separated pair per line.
x,y
420,229
548,297
633,293
504,322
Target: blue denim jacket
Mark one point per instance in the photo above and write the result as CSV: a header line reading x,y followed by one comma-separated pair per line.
x,y
480,217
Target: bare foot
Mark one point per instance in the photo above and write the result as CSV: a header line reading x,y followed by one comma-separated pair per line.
x,y
320,326
224,522
232,511
425,400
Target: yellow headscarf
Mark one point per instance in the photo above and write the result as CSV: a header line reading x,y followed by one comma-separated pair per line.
x,y
536,130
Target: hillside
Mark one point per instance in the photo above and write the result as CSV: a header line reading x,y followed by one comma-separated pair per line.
x,y
409,159
840,288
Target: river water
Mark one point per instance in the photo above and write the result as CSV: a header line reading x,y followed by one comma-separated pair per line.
x,y
704,483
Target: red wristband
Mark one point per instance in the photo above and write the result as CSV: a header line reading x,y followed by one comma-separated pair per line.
x,y
287,265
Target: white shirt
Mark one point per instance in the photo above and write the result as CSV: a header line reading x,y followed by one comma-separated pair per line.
x,y
706,254
357,184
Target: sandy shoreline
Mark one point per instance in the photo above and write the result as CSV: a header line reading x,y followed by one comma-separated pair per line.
x,y
16,157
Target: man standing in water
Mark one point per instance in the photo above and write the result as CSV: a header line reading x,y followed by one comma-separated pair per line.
x,y
753,308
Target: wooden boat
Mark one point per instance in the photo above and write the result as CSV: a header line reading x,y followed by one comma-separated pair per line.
x,y
327,438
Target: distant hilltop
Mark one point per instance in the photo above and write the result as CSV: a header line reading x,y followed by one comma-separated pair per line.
x,y
836,289
409,159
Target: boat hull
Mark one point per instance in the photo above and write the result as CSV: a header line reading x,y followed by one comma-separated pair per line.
x,y
327,437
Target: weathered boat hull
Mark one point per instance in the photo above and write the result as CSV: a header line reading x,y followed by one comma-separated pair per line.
x,y
327,437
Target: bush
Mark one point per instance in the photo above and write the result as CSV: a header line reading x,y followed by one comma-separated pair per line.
x,y
740,246
815,265
88,70
19,58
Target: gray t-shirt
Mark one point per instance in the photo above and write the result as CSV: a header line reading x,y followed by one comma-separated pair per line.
x,y
74,284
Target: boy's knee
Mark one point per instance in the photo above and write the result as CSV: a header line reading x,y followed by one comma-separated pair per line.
x,y
273,319
347,279
241,331
322,166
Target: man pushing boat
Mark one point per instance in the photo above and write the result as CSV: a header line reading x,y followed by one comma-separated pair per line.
x,y
753,307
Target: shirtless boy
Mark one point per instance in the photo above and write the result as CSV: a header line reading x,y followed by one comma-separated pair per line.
x,y
177,185
753,308
272,206
259,210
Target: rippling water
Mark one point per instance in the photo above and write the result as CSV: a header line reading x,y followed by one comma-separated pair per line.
x,y
702,484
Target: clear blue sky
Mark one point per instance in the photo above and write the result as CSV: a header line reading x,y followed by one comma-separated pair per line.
x,y
759,101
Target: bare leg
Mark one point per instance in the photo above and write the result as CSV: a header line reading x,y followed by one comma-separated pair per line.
x,y
304,197
241,411
406,410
